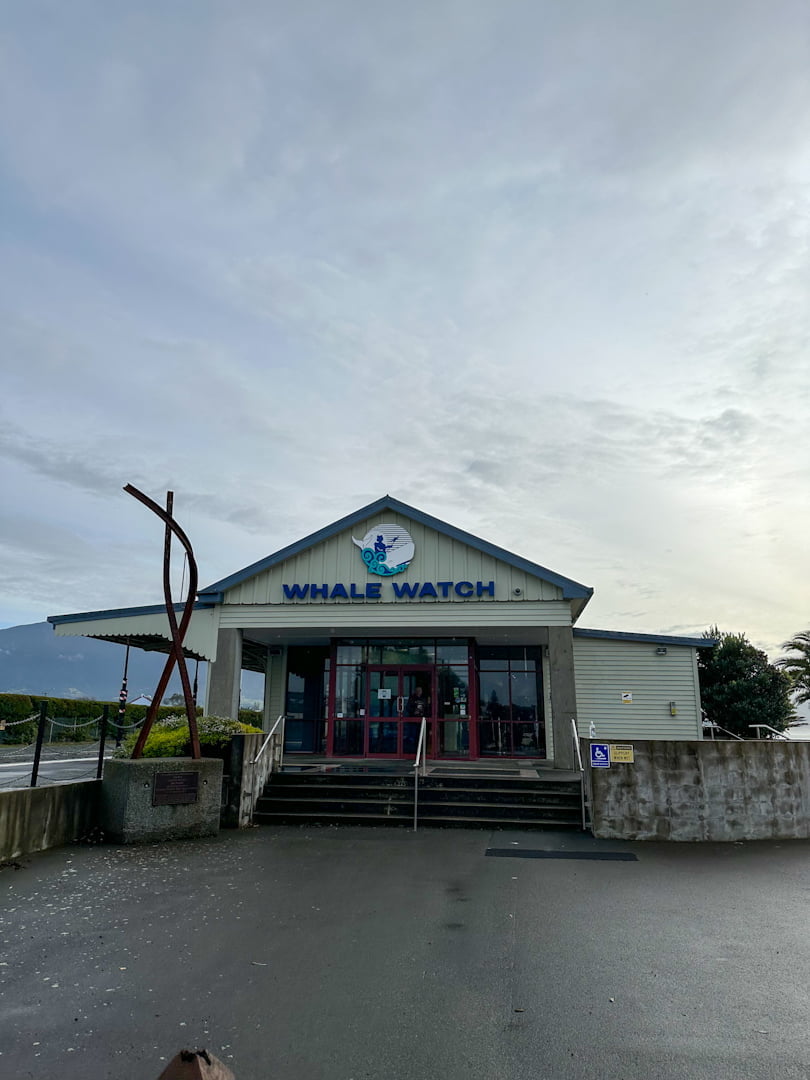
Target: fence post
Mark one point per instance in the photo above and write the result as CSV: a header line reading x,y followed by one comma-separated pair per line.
x,y
43,717
102,738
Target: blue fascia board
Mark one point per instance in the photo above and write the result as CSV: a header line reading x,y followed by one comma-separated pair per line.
x,y
123,613
653,639
571,589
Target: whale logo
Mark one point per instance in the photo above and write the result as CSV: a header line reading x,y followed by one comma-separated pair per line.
x,y
386,549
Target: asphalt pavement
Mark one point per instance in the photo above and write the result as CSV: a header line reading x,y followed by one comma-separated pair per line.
x,y
18,774
61,762
353,953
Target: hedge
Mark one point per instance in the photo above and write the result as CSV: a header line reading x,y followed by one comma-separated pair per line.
x,y
16,707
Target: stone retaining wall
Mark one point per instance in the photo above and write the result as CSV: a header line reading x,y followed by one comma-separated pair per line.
x,y
722,790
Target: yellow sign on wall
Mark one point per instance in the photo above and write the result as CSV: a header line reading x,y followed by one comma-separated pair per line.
x,y
622,752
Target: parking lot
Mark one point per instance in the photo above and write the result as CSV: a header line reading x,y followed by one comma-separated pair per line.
x,y
350,953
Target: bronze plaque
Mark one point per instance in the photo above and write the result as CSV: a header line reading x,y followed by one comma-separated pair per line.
x,y
175,788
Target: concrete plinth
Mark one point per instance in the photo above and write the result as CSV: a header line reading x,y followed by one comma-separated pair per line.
x,y
127,813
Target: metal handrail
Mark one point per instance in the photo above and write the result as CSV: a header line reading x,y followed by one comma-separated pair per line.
x,y
270,734
420,754
575,736
778,734
731,735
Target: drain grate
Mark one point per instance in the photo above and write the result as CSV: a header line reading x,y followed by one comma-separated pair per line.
x,y
595,856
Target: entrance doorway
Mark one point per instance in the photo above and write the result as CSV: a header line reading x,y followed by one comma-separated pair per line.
x,y
399,699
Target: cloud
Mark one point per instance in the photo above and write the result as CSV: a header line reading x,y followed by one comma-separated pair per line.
x,y
541,272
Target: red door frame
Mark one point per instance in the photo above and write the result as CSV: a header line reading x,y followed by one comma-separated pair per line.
x,y
472,703
401,671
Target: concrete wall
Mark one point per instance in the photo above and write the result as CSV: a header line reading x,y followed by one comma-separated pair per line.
x,y
33,819
605,669
223,685
563,694
245,781
678,790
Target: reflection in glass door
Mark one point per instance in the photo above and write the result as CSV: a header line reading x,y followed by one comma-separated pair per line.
x,y
417,697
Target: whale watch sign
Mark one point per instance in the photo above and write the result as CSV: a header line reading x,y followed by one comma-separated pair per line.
x,y
386,551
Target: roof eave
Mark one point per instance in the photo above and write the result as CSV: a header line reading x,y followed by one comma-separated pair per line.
x,y
652,639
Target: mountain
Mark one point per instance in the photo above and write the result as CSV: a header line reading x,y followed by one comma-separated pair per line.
x,y
33,660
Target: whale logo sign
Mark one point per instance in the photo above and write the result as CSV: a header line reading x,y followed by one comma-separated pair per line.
x,y
386,549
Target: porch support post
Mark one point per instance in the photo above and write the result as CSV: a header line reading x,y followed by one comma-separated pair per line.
x,y
563,693
275,686
225,676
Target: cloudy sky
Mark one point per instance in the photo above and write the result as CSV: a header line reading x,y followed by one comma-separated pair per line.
x,y
539,269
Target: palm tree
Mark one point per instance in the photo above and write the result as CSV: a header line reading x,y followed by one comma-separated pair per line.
x,y
798,667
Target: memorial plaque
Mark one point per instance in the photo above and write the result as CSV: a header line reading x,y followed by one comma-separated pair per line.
x,y
175,788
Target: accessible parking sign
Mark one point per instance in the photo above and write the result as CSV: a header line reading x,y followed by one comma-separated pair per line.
x,y
600,755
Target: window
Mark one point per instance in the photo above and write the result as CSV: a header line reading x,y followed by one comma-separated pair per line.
x,y
510,720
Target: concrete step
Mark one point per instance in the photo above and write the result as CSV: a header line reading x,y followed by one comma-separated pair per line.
x,y
299,818
427,807
382,780
369,797
465,793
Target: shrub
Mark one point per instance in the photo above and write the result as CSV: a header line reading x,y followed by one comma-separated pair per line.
x,y
170,737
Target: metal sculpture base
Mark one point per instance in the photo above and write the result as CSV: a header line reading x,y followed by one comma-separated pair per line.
x,y
152,799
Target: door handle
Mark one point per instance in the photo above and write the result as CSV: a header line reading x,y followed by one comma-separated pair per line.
x,y
400,706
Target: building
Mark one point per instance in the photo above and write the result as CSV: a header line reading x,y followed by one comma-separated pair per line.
x,y
389,617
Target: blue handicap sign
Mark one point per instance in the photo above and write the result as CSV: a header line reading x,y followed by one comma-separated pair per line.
x,y
600,755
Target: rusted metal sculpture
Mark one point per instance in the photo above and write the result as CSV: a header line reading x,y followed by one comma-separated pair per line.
x,y
178,632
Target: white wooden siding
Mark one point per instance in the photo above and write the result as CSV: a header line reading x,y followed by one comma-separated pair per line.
x,y
604,669
395,617
437,558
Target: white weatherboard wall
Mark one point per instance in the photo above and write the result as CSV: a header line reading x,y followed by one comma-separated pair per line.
x,y
604,669
438,557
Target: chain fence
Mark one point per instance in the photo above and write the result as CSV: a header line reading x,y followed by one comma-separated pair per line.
x,y
56,748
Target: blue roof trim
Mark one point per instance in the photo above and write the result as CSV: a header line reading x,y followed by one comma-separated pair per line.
x,y
571,589
654,639
119,613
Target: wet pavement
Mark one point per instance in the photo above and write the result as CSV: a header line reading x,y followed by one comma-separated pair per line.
x,y
350,953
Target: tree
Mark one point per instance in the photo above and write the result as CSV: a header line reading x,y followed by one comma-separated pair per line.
x,y
797,668
740,687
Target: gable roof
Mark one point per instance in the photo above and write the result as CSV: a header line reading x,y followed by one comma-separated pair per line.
x,y
571,589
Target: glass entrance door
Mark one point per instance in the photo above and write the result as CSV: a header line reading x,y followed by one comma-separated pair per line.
x,y
399,698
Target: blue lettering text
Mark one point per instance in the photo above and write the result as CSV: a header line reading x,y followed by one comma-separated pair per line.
x,y
481,588
296,592
315,591
464,588
404,588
